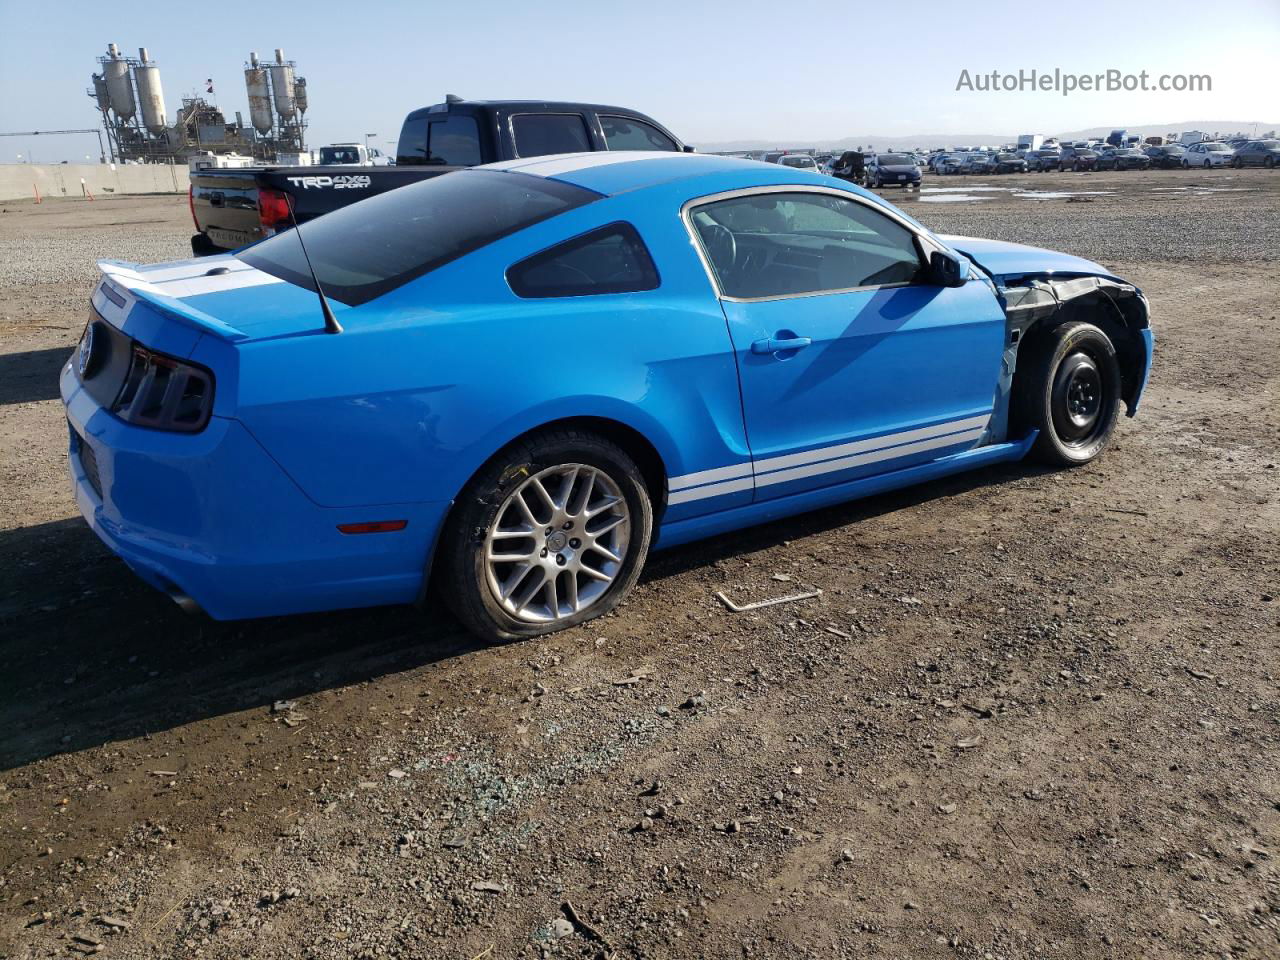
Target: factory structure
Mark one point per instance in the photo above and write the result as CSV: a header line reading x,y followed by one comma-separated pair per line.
x,y
130,98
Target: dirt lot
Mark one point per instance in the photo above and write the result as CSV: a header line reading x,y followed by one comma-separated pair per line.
x,y
1033,714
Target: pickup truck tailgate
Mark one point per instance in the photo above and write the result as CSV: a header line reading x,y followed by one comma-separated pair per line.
x,y
224,204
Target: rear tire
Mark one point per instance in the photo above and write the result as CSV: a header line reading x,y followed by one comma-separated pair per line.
x,y
472,582
1067,387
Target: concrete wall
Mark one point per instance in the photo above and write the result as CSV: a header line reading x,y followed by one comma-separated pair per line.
x,y
18,180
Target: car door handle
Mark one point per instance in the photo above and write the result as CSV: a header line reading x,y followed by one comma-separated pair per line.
x,y
771,345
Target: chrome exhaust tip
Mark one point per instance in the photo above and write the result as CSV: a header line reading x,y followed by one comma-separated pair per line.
x,y
184,602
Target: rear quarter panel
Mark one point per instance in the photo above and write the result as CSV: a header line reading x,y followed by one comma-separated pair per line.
x,y
437,376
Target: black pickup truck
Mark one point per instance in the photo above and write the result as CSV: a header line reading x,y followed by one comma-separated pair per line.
x,y
235,207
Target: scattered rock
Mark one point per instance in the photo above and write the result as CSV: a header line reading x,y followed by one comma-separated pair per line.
x,y
561,928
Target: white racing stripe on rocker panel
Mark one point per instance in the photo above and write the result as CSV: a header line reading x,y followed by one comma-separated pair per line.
x,y
795,466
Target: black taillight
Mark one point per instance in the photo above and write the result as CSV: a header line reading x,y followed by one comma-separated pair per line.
x,y
164,393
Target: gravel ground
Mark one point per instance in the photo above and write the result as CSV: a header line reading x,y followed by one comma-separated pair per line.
x,y
1163,216
1032,714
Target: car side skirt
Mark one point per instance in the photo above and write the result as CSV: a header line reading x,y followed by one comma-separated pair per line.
x,y
709,525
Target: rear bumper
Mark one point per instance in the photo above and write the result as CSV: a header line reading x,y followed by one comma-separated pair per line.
x,y
212,517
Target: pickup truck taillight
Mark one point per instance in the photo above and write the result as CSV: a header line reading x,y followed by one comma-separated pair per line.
x,y
273,209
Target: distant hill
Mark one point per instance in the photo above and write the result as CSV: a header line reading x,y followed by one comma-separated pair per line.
x,y
929,140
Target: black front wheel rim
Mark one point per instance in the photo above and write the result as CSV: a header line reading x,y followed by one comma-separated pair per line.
x,y
1079,400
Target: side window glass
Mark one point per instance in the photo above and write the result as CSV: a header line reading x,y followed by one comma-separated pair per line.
x,y
539,134
784,244
627,133
612,259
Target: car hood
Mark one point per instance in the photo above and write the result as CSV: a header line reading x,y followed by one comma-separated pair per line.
x,y
1002,259
224,296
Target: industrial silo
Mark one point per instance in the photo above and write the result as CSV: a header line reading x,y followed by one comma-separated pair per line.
x,y
147,76
255,82
300,93
100,93
282,85
116,72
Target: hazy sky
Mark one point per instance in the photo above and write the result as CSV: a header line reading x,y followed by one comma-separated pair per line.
x,y
711,70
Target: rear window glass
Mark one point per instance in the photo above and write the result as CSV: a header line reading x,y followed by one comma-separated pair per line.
x,y
339,154
626,133
369,248
446,141
538,134
612,259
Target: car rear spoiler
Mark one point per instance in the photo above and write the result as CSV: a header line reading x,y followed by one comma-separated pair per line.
x,y
122,284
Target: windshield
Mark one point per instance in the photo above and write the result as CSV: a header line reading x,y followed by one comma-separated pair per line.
x,y
1006,157
369,248
797,161
339,155
1217,148
895,160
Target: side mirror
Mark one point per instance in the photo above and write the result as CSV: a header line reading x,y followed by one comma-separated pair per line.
x,y
946,269
688,149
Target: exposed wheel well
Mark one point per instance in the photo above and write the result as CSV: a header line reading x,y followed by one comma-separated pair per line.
x,y
1119,315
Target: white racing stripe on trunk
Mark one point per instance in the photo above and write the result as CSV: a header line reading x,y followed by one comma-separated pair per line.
x,y
218,283
187,269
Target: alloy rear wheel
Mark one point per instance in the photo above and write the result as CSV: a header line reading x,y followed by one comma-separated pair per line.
x,y
557,543
552,532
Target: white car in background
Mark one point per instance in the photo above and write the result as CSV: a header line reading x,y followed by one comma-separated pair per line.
x,y
1208,154
801,161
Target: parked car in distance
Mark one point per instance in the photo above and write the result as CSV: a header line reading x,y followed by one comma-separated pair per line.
x,y
1166,157
734,342
800,161
773,156
948,163
352,155
893,170
975,162
1009,163
1123,158
850,166
1076,158
1208,154
1258,153
1042,161
235,207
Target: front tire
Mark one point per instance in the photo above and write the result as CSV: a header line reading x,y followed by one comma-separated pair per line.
x,y
552,532
1068,388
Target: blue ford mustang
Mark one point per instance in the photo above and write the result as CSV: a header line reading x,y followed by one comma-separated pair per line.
x,y
538,370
